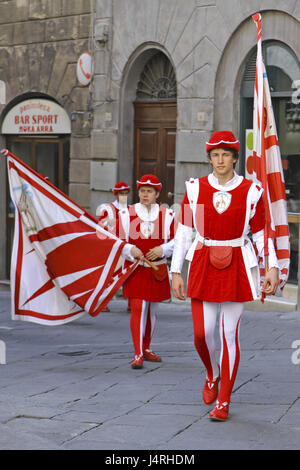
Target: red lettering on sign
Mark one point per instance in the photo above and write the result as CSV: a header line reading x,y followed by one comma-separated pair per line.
x,y
21,119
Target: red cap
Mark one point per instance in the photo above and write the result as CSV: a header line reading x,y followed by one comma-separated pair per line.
x,y
222,139
121,186
149,180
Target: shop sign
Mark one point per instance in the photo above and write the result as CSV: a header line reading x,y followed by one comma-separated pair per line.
x,y
36,116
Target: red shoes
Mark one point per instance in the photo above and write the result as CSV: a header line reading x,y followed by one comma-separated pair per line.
x,y
220,411
137,362
210,391
209,395
151,356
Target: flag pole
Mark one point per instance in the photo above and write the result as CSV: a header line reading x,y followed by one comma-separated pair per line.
x,y
153,266
262,118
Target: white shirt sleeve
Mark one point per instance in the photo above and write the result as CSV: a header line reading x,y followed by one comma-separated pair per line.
x,y
168,248
182,242
126,252
258,239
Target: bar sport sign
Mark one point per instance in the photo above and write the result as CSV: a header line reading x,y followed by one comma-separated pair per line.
x,y
36,116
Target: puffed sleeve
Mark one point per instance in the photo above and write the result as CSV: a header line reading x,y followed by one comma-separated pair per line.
x,y
102,212
168,246
257,224
183,236
257,217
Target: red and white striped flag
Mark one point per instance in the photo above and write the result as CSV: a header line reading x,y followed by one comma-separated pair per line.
x,y
267,165
63,263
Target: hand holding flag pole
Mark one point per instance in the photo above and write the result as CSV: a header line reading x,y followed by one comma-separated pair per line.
x,y
60,268
137,253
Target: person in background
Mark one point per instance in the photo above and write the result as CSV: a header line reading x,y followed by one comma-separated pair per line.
x,y
149,230
108,213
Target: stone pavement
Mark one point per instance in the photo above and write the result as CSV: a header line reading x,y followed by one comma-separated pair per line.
x,y
72,388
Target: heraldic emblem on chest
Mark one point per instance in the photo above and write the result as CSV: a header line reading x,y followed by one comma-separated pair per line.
x,y
221,201
147,229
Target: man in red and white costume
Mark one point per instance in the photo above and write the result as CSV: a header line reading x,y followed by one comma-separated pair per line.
x,y
149,230
108,213
223,208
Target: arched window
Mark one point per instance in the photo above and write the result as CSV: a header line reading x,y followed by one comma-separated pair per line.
x,y
157,81
283,71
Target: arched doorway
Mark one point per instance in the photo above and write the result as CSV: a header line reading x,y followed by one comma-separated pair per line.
x,y
148,121
155,124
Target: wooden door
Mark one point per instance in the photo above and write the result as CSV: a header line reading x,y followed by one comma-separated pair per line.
x,y
155,145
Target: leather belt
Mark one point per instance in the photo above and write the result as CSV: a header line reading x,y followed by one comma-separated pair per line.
x,y
209,242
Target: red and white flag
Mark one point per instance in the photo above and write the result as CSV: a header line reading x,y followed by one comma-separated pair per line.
x,y
267,165
63,263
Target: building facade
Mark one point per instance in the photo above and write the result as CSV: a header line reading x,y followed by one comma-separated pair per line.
x,y
166,74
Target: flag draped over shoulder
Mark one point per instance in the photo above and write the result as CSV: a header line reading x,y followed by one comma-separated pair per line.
x,y
267,165
63,263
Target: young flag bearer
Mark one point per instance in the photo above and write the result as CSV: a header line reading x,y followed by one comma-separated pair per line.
x,y
223,208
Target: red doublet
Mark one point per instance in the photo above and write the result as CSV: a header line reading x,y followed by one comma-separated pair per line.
x,y
206,282
110,213
142,284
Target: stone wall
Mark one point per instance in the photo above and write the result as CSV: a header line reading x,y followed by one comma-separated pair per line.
x,y
195,35
40,42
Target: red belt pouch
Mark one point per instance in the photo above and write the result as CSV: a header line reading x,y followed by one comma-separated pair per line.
x,y
220,256
162,272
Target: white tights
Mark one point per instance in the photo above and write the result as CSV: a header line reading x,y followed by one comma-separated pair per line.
x,y
204,319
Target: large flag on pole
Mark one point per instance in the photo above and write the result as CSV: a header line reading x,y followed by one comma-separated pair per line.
x,y
63,263
267,165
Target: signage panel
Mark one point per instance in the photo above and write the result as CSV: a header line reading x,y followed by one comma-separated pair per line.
x,y
36,116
